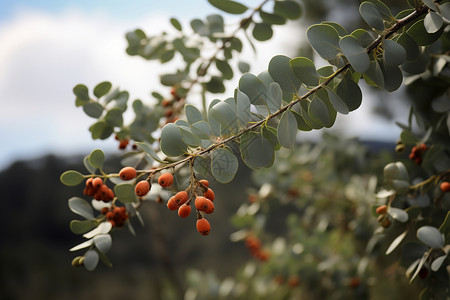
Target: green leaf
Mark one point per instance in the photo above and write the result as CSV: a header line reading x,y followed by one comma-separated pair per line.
x,y
103,242
431,236
202,165
337,102
355,53
375,74
341,30
201,129
101,130
224,165
125,192
275,99
325,40
243,108
149,150
393,77
172,141
349,92
88,166
394,54
410,46
287,129
224,67
81,207
253,87
421,36
398,214
270,18
301,124
243,67
288,9
171,79
262,31
114,117
371,15
97,158
256,151
282,73
430,4
193,115
105,259
82,93
80,227
188,137
433,22
224,114
305,70
102,89
231,7
215,85
445,11
93,109
318,112
199,27
176,24
215,23
71,178
91,259
364,38
419,65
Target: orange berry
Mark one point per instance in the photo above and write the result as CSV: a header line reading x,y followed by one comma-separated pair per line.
x,y
210,208
381,210
109,215
171,204
203,226
201,203
89,181
97,182
204,182
127,173
445,186
109,196
422,147
181,197
184,210
209,194
142,188
104,210
165,180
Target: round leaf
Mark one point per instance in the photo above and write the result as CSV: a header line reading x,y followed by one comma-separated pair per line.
x,y
114,117
398,214
81,207
410,45
318,111
93,109
355,53
437,263
281,72
325,40
103,242
253,87
125,192
97,158
288,9
215,85
304,70
363,37
243,67
433,22
71,178
80,227
262,31
349,92
224,67
421,36
224,165
337,102
172,141
231,7
193,115
224,114
287,129
101,130
445,12
243,108
393,77
102,228
272,18
430,236
256,151
82,93
102,89
91,259
394,54
176,24
371,15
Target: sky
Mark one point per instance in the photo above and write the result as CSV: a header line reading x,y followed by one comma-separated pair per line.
x,y
49,46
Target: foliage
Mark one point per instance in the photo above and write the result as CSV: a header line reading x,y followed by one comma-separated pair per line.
x,y
260,121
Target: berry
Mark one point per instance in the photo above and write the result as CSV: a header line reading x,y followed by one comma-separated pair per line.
x,y
97,182
180,198
89,182
381,210
203,226
142,188
171,204
184,210
209,194
165,180
127,173
204,182
445,186
386,223
104,210
202,204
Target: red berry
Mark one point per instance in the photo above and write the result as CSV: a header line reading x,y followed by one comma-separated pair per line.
x,y
184,210
381,210
142,188
204,182
97,182
203,226
127,173
209,194
171,204
181,197
445,186
165,180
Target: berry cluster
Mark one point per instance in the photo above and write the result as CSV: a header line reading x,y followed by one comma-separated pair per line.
x,y
383,217
255,247
173,106
115,215
417,153
97,189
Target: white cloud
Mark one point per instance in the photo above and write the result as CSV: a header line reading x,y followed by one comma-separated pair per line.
x,y
43,56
